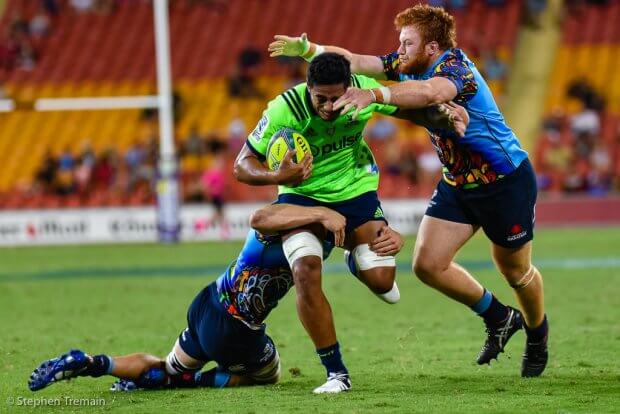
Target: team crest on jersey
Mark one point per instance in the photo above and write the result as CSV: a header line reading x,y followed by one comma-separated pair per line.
x,y
351,121
259,131
309,132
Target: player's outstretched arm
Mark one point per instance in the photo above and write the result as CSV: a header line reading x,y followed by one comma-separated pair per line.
x,y
407,95
301,46
444,116
279,217
250,170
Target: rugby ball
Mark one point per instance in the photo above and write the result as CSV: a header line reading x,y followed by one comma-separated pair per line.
x,y
281,142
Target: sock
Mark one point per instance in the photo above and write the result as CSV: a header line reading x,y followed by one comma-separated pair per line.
x,y
100,365
490,309
539,334
212,378
332,359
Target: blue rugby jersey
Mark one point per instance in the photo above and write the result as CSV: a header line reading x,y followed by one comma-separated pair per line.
x,y
489,149
257,280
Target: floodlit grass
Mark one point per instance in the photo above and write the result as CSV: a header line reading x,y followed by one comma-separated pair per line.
x,y
416,356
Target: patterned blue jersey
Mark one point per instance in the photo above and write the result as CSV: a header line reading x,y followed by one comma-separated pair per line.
x,y
258,279
489,149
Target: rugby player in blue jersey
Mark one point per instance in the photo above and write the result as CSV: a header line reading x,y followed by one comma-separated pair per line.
x,y
488,181
225,322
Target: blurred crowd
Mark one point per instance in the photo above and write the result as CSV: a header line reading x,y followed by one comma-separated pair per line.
x,y
573,154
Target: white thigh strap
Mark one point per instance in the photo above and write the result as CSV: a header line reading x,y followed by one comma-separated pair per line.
x,y
300,245
367,259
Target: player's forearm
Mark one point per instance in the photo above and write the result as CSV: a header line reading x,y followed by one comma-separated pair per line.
x,y
416,94
279,217
250,170
430,118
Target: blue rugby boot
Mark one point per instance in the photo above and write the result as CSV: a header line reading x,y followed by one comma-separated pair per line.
x,y
67,366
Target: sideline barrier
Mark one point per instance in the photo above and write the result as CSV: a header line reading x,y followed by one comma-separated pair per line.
x,y
138,224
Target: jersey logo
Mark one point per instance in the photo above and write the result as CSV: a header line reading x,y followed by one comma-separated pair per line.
x,y
259,131
351,122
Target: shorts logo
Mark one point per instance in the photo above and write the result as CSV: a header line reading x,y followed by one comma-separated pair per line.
x,y
516,232
267,352
378,212
237,368
259,131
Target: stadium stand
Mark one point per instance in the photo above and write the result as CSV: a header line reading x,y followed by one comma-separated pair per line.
x,y
579,147
110,52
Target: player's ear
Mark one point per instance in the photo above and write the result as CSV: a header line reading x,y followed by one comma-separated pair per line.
x,y
432,48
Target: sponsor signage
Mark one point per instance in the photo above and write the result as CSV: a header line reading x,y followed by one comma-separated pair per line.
x,y
139,224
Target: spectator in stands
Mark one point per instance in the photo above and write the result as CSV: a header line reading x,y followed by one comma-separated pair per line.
x,y
586,127
241,84
82,6
134,161
65,183
236,130
599,177
88,154
553,157
554,122
428,169
581,90
50,6
194,144
105,169
39,25
83,174
46,174
382,130
493,67
214,183
574,179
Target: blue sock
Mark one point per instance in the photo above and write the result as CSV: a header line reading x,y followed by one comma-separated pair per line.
x,y
332,359
213,378
490,309
538,334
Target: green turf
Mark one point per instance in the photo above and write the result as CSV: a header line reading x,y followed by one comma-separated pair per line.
x,y
417,356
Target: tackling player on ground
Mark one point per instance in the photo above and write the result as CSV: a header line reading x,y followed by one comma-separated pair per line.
x,y
488,180
341,174
225,322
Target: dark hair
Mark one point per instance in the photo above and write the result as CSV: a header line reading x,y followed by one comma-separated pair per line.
x,y
329,69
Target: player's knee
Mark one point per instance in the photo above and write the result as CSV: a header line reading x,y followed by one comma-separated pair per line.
x,y
426,268
178,362
513,272
269,374
521,279
304,252
378,272
148,360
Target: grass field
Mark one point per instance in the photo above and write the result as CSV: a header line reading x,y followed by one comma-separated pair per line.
x,y
417,356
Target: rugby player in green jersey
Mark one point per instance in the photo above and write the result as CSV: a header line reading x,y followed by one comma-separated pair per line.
x,y
342,175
